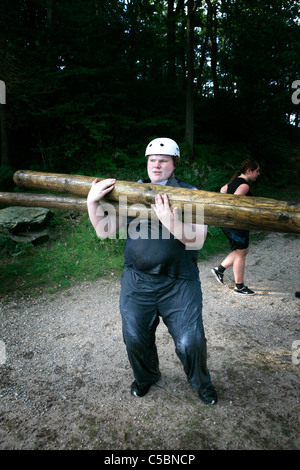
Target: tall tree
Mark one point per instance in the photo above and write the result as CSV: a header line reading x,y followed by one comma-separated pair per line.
x,y
212,9
261,63
190,55
172,16
4,149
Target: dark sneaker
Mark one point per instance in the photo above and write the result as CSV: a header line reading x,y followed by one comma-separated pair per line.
x,y
243,291
219,276
208,396
139,390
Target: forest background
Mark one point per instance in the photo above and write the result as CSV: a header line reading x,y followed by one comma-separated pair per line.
x,y
89,83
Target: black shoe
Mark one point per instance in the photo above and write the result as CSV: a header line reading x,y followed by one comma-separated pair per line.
x,y
219,276
208,396
243,291
139,390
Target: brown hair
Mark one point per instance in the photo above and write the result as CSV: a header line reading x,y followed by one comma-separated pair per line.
x,y
247,164
175,161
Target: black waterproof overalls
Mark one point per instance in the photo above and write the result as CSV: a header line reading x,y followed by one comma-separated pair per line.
x,y
161,279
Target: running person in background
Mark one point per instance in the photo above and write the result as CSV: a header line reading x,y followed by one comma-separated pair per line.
x,y
238,238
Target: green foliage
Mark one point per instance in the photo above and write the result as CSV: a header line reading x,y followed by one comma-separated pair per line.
x,y
212,166
87,80
6,244
6,178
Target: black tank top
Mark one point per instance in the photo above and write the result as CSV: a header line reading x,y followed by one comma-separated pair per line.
x,y
232,187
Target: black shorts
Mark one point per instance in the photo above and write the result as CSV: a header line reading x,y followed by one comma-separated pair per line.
x,y
238,238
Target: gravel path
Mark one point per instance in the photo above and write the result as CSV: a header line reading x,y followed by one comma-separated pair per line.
x,y
65,378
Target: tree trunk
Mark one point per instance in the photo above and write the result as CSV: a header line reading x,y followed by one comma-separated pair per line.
x,y
223,210
171,43
214,51
199,85
171,38
4,154
189,112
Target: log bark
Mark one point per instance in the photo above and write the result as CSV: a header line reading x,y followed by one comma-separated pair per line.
x,y
52,201
223,210
43,200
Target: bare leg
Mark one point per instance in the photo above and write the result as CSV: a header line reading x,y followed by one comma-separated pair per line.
x,y
229,260
239,265
236,259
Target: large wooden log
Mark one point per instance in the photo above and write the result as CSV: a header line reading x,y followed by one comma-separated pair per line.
x,y
72,203
223,210
43,200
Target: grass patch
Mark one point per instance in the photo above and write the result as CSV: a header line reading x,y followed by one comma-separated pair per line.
x,y
73,254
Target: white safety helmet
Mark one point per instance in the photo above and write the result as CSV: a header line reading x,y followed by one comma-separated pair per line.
x,y
163,146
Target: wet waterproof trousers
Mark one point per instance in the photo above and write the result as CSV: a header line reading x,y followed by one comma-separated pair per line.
x,y
144,298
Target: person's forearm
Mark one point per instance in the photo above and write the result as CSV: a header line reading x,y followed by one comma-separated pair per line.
x,y
92,210
103,217
105,225
191,235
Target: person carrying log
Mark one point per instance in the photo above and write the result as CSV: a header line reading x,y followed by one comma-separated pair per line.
x,y
160,278
238,238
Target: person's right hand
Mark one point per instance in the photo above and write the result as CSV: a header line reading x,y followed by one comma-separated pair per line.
x,y
99,189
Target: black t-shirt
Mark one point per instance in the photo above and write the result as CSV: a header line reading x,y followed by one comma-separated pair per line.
x,y
151,248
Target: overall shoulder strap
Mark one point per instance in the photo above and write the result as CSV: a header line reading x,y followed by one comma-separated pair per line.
x,y
173,182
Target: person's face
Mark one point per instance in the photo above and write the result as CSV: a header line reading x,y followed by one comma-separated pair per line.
x,y
160,167
253,174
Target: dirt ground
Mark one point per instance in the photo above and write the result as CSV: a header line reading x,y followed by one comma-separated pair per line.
x,y
65,378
